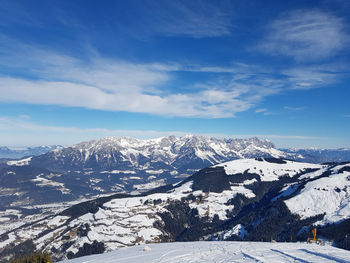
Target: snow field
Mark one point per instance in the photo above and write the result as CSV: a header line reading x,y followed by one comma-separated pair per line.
x,y
209,252
267,171
329,195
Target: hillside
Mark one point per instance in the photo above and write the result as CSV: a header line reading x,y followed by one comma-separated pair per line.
x,y
248,199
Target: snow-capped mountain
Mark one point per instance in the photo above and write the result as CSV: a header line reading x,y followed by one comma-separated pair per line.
x,y
245,199
6,152
166,153
118,165
314,155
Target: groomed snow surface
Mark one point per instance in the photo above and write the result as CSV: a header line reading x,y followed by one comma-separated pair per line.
x,y
220,252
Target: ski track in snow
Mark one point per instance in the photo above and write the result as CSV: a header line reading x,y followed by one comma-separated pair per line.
x,y
220,252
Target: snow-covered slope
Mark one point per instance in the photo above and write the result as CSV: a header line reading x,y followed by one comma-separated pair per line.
x,y
328,195
268,169
209,252
252,199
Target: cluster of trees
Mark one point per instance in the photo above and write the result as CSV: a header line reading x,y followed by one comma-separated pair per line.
x,y
37,257
88,249
340,233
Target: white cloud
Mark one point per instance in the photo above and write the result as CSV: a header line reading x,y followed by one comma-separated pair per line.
x,y
305,35
265,111
273,81
116,85
213,103
308,77
294,108
196,18
260,110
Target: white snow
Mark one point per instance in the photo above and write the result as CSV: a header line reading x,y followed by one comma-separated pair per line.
x,y
42,182
118,172
237,230
146,248
214,251
150,185
268,171
329,195
338,167
57,221
22,162
135,178
286,191
155,171
248,182
314,174
174,172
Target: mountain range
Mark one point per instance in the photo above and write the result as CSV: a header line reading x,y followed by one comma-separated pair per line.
x,y
128,165
8,153
314,155
261,199
119,165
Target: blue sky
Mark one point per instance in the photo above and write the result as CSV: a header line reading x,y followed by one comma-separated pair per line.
x,y
80,70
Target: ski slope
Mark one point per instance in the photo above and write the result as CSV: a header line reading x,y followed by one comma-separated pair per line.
x,y
191,252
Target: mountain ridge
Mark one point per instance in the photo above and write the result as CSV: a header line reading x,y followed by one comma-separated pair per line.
x,y
112,165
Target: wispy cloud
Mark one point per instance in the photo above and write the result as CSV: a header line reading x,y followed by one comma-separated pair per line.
x,y
305,35
265,111
195,19
294,108
295,77
308,77
50,78
261,110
